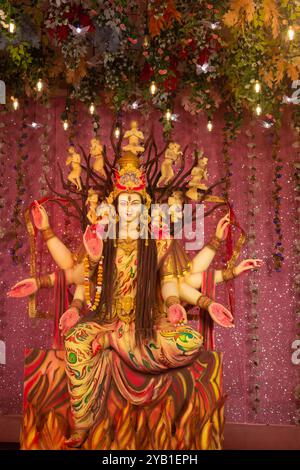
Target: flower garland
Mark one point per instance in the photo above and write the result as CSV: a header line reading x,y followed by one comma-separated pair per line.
x,y
296,145
46,159
22,156
278,257
94,305
253,185
233,121
3,182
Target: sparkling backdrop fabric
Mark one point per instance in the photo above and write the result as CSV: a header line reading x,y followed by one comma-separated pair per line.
x,y
44,147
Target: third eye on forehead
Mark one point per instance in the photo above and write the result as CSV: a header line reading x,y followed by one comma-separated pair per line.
x,y
129,199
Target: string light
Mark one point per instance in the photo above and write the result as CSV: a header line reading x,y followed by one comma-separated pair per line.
x,y
258,110
257,86
210,126
153,88
12,27
146,41
168,115
291,33
117,131
92,108
65,125
15,103
39,85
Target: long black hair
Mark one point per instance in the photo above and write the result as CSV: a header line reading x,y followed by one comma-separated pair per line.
x,y
146,286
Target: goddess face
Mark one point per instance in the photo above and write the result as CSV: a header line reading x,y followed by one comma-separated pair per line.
x,y
129,207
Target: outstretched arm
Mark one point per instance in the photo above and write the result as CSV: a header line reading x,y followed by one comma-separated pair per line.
x,y
223,275
59,252
170,294
203,259
71,316
217,311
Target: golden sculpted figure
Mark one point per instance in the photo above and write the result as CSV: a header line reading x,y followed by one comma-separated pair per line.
x,y
135,136
96,151
199,173
74,160
172,155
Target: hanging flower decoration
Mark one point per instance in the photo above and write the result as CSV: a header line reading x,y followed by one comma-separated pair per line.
x,y
278,257
207,53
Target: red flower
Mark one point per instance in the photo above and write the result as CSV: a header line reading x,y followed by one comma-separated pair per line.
x,y
182,54
147,72
203,57
170,84
63,32
191,44
84,20
214,43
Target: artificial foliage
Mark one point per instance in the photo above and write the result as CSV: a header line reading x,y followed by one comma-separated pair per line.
x,y
203,53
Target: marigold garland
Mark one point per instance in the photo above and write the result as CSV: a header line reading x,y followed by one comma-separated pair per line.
x,y
94,305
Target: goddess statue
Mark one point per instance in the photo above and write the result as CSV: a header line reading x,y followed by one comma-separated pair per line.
x,y
139,286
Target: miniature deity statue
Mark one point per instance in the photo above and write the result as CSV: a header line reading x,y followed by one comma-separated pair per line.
x,y
135,136
92,201
199,173
172,154
96,151
74,160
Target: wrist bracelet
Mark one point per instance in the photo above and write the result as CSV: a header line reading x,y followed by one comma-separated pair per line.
x,y
93,263
228,274
214,243
77,303
171,300
47,234
44,281
204,302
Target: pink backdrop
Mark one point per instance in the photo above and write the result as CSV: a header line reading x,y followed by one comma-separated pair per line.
x,y
277,376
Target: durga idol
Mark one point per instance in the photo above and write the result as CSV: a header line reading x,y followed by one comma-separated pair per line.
x,y
128,305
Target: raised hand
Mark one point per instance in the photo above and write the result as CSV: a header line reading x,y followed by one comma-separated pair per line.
x,y
222,227
93,244
68,320
221,315
40,216
23,288
177,315
246,265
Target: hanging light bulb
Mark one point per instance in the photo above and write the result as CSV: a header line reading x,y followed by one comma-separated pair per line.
x,y
39,85
210,126
257,86
117,131
168,115
146,41
291,33
65,125
92,108
258,110
12,27
153,88
15,103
